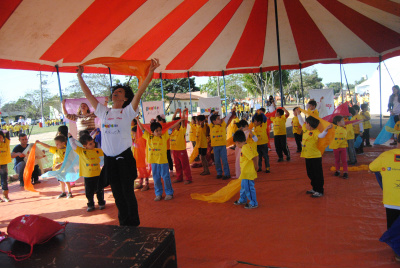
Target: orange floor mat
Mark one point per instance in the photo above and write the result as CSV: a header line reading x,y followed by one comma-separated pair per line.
x,y
289,229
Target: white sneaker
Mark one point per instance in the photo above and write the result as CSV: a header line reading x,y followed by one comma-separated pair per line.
x,y
316,194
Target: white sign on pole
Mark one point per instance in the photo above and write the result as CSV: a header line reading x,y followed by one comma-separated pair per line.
x,y
151,109
327,106
208,104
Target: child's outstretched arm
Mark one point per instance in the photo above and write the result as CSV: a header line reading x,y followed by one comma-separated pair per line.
x,y
43,144
286,112
177,123
135,102
88,94
176,111
323,134
184,119
140,125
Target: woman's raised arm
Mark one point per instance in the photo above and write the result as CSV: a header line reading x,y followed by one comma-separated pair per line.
x,y
88,94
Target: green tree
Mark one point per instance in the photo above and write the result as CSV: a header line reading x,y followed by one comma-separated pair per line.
x,y
99,84
310,81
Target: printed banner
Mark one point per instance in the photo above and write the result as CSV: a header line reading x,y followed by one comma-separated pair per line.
x,y
151,109
208,104
327,106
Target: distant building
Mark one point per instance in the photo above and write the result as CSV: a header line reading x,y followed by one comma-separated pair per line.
x,y
10,117
182,100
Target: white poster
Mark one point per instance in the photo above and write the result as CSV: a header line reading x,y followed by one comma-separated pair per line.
x,y
208,104
327,106
151,109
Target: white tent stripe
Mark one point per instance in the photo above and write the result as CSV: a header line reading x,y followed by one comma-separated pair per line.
x,y
188,31
220,52
386,19
345,44
40,24
141,22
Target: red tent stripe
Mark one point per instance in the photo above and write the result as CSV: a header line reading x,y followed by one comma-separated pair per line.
x,y
149,43
196,48
6,9
250,49
385,5
90,29
358,24
306,34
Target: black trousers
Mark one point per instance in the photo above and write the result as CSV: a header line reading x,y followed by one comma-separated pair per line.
x,y
391,216
170,163
298,138
315,173
91,188
366,136
262,151
281,145
120,172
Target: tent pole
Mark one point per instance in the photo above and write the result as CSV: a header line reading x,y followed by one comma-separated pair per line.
x,y
162,92
41,97
109,71
341,85
59,83
279,52
262,88
380,92
301,83
141,104
190,93
226,106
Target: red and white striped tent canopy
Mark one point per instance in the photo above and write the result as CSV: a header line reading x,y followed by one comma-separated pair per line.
x,y
201,37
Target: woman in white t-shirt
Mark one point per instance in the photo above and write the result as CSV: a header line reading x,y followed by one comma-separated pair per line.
x,y
119,165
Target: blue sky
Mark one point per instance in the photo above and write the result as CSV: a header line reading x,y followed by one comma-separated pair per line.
x,y
15,83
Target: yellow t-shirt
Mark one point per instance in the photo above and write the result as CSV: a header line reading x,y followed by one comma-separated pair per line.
x,y
5,154
315,112
201,137
192,132
367,123
279,125
58,156
261,133
247,108
340,139
247,169
157,147
296,125
388,164
356,126
350,131
397,126
177,139
89,162
218,134
310,143
17,128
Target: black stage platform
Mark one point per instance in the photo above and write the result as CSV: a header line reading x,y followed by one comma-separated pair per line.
x,y
93,245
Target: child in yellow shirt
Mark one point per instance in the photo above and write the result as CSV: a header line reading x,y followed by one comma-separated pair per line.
x,y
312,155
351,151
218,142
89,168
157,157
5,158
58,152
248,163
297,129
251,139
358,128
178,147
201,138
339,145
366,124
260,130
279,122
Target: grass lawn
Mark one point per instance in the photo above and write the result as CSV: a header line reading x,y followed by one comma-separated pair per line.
x,y
39,130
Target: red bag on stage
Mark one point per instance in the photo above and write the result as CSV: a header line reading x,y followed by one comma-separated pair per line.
x,y
32,230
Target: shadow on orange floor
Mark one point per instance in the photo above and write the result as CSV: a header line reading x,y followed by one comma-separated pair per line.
x,y
289,229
